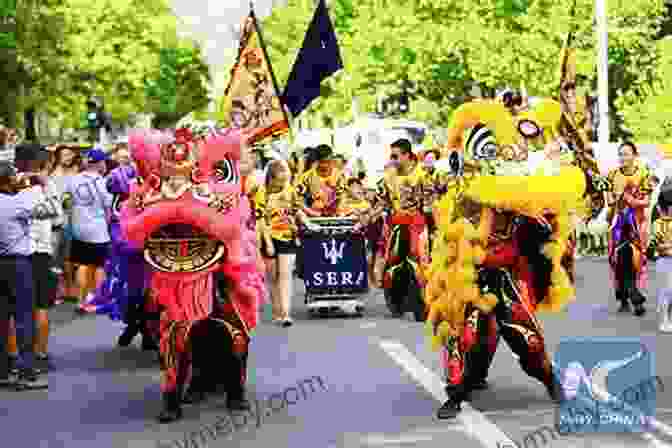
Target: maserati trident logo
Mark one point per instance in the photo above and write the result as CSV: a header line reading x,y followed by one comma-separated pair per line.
x,y
333,253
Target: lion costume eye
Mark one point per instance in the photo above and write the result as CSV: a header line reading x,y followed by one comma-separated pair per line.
x,y
529,129
225,172
481,143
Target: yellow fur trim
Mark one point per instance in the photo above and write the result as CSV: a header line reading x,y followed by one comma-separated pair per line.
x,y
459,247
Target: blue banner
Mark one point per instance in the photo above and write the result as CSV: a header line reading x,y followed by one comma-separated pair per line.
x,y
335,264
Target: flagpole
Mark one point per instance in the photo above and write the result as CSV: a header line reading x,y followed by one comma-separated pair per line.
x,y
602,72
262,44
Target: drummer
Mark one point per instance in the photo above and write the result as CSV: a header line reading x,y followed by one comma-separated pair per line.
x,y
323,187
355,205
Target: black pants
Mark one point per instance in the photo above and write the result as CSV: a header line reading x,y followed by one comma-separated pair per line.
x,y
17,298
213,360
627,290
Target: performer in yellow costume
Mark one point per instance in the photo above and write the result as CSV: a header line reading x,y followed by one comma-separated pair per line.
x,y
629,196
406,237
491,234
492,231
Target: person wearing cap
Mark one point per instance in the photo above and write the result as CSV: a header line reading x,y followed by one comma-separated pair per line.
x,y
21,201
90,203
33,158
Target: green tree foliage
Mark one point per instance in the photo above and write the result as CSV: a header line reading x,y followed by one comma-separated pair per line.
x,y
446,46
70,50
649,116
180,87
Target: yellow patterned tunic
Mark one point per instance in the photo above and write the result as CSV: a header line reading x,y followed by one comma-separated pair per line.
x,y
662,231
278,212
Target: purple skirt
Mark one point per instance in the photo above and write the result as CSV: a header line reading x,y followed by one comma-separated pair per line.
x,y
126,277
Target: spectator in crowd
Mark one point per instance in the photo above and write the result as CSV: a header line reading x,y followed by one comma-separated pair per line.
x,y
67,163
8,139
18,206
123,157
90,203
33,158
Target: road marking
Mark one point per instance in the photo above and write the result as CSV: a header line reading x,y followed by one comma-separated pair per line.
x,y
475,423
654,442
661,427
381,440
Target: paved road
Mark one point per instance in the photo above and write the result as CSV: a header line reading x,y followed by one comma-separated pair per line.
x,y
380,387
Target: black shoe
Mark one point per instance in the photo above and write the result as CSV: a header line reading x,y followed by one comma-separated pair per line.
x,y
625,307
639,310
149,344
171,408
13,365
31,380
238,404
449,410
130,332
9,381
43,364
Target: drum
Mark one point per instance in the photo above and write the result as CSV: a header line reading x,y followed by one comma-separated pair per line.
x,y
334,267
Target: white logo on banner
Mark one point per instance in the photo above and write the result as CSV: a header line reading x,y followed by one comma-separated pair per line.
x,y
333,253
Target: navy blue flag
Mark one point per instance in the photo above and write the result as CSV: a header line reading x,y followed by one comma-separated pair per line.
x,y
318,59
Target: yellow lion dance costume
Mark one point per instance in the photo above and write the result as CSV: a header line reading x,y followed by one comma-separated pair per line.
x,y
502,252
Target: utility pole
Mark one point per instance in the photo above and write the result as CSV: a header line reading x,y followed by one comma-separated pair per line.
x,y
602,72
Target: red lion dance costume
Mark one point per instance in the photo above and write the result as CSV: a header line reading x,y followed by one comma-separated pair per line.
x,y
187,210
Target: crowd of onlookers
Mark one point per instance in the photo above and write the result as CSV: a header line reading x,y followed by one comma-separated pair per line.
x,y
53,243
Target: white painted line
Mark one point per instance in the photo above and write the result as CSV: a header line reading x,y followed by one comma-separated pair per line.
x,y
475,423
418,435
379,440
661,427
654,442
518,412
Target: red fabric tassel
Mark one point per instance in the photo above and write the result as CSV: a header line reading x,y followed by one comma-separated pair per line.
x,y
186,297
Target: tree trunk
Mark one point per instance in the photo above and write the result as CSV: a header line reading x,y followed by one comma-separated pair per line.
x,y
29,119
8,104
